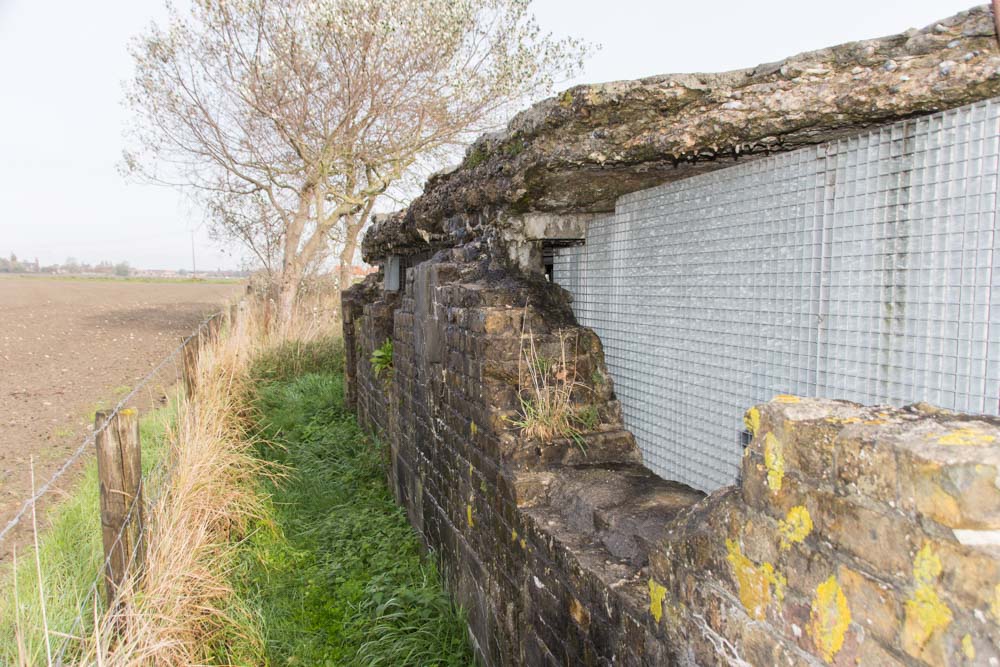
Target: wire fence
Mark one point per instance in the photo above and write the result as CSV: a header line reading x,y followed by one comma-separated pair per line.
x,y
127,546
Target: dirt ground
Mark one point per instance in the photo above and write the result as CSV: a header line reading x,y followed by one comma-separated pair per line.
x,y
68,347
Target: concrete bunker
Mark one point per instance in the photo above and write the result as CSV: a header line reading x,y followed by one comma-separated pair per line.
x,y
854,534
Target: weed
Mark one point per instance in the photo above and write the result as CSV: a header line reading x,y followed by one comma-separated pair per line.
x,y
587,417
543,365
546,393
381,360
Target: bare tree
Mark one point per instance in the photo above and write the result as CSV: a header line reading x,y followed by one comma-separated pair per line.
x,y
291,117
252,221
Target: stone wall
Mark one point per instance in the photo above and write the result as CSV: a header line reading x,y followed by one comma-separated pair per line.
x,y
843,543
857,535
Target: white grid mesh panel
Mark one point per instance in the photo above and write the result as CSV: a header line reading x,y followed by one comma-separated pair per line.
x,y
861,269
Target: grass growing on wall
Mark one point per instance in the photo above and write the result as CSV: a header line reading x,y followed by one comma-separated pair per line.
x,y
71,555
335,575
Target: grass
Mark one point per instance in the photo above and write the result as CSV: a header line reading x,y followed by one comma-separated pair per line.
x,y
71,555
546,393
274,539
334,573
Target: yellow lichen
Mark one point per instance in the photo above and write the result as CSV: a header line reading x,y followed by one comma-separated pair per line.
x,y
752,421
829,618
966,437
995,604
787,398
926,613
926,566
656,595
795,527
755,582
776,579
468,515
967,648
845,420
774,459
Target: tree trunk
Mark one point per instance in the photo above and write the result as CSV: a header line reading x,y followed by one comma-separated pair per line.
x,y
346,269
288,290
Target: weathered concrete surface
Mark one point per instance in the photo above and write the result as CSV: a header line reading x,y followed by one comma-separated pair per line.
x,y
580,151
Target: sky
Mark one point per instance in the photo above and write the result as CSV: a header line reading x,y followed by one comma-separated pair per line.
x,y
63,64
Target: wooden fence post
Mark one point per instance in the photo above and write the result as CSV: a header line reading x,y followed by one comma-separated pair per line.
x,y
189,356
213,327
119,470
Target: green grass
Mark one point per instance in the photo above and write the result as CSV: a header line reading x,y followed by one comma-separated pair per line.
x,y
336,575
71,556
294,359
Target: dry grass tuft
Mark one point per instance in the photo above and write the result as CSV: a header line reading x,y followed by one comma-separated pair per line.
x,y
181,612
546,391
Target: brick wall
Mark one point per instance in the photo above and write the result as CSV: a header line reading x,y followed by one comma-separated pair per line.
x,y
839,545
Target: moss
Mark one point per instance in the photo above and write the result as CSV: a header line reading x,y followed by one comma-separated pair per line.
x,y
476,156
514,147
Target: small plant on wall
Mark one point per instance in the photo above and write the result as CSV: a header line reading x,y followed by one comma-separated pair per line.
x,y
545,393
381,361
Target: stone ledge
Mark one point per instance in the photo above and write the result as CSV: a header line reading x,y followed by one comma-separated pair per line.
x,y
578,152
935,463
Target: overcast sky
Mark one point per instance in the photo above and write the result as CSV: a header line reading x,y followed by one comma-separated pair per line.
x,y
62,65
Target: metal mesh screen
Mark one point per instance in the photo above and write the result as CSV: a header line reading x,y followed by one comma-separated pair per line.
x,y
861,269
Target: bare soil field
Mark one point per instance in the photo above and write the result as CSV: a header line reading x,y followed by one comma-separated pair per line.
x,y
68,347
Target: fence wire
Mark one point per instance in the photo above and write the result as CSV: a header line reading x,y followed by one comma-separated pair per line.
x,y
157,385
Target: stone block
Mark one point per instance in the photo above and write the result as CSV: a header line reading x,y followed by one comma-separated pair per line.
x,y
885,540
865,467
971,576
874,605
